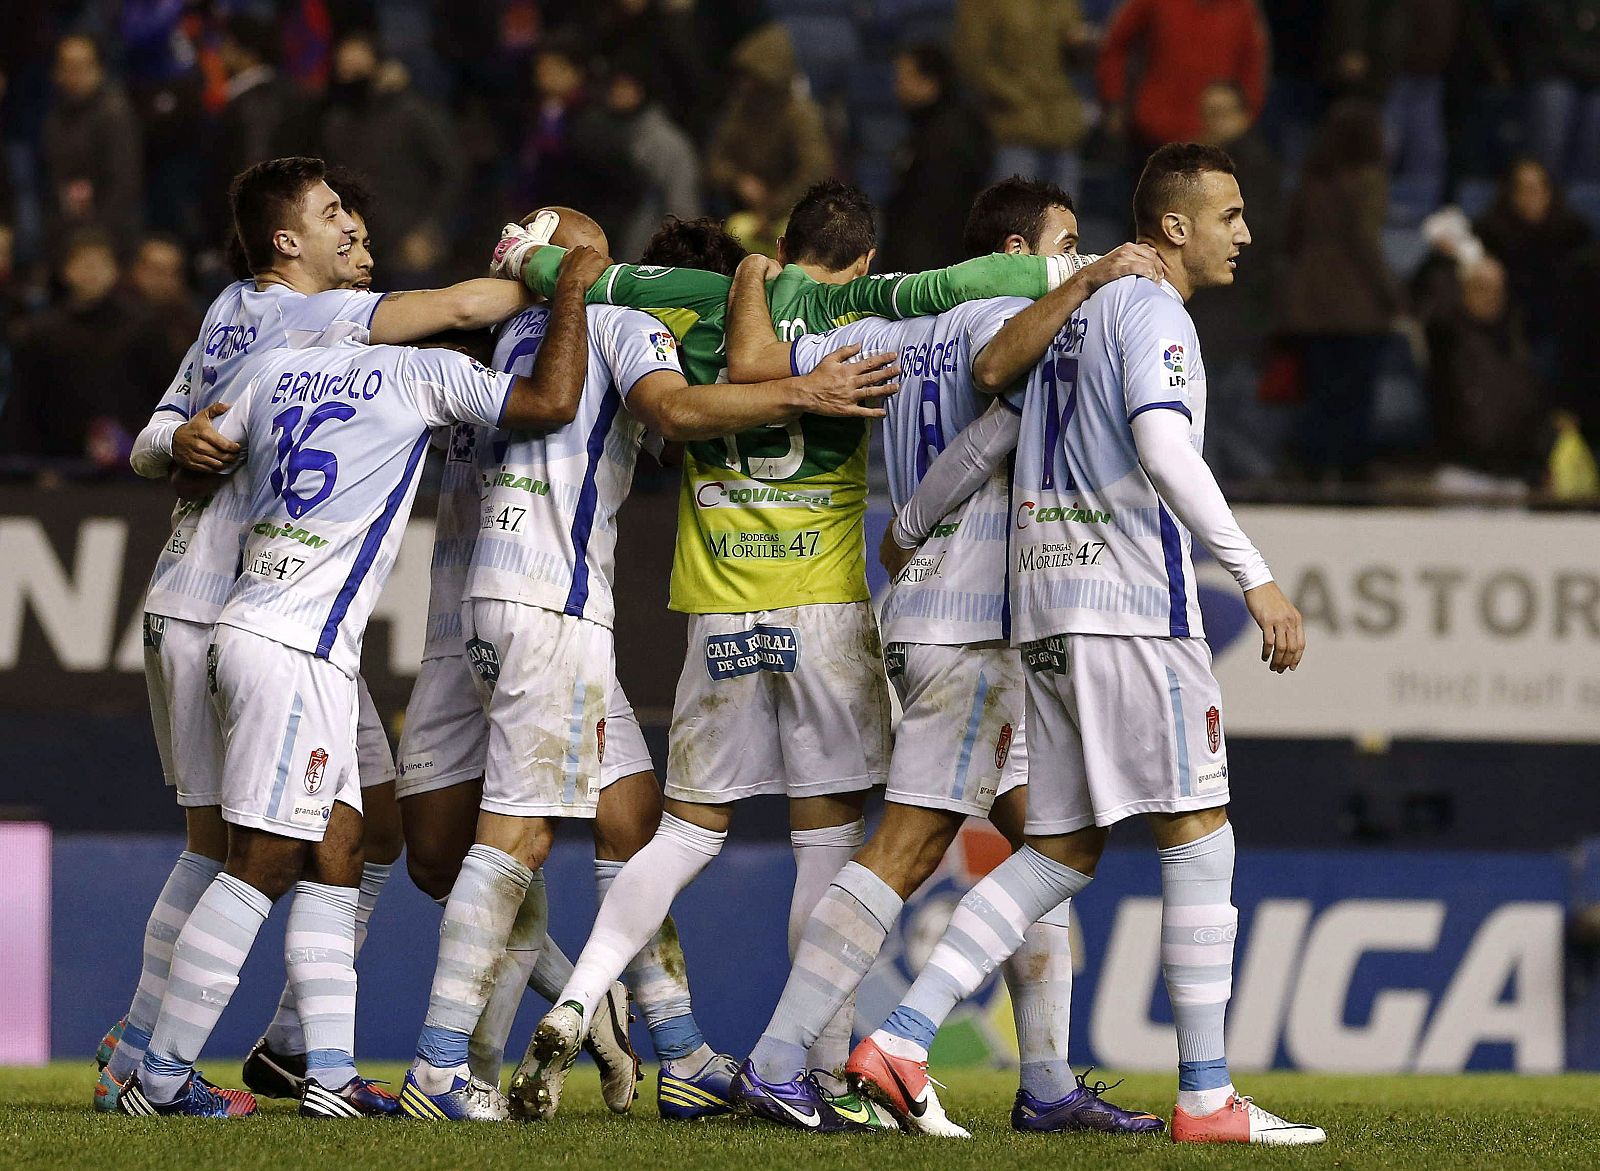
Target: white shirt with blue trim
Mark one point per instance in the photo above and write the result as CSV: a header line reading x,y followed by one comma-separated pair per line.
x,y
1094,548
196,567
954,591
547,532
334,440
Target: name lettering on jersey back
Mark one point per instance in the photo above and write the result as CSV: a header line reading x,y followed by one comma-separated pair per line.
x,y
312,386
928,359
1070,339
228,341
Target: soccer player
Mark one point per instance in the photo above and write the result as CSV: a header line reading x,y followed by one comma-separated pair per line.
x,y
959,750
769,557
333,441
537,623
443,752
1124,714
298,241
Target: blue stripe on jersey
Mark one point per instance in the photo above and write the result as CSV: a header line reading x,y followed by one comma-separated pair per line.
x,y
1177,595
369,550
379,300
173,407
964,757
583,522
1009,405
794,364
1172,405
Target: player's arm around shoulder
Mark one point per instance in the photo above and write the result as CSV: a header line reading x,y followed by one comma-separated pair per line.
x,y
755,352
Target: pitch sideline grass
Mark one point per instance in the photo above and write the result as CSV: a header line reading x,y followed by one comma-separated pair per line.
x,y
1433,1123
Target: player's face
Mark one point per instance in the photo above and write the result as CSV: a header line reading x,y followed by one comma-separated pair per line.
x,y
1217,231
1059,236
327,236
361,254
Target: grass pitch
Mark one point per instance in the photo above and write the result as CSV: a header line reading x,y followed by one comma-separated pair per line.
x,y
1433,1123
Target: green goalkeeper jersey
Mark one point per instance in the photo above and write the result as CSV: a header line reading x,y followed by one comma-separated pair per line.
x,y
774,516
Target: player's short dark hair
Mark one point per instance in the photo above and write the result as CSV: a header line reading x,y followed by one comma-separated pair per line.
x,y
1011,207
266,198
354,193
932,60
1170,180
701,243
831,226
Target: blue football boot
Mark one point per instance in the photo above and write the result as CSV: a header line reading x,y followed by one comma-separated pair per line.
x,y
706,1094
199,1099
467,1100
799,1103
1082,1109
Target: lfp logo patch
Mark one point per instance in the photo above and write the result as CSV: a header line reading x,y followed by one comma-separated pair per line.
x,y
761,648
1172,356
664,344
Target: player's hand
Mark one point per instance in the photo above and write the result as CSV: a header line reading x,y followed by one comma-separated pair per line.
x,y
1126,260
764,266
582,264
1283,635
892,554
841,384
517,242
200,447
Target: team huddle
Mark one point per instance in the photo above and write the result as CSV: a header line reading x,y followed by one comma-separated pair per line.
x,y
1043,414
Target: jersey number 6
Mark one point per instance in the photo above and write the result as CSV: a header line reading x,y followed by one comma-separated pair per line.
x,y
295,459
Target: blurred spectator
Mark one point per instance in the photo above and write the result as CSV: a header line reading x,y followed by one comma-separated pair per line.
x,y
87,371
667,162
1186,45
1013,56
576,153
1577,385
943,163
1564,67
1487,406
91,149
1403,53
657,39
376,124
1243,435
10,313
265,117
770,145
1338,300
1532,232
158,56
159,280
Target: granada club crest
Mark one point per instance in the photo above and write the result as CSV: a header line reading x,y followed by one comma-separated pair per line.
x,y
1002,746
600,737
1213,728
316,769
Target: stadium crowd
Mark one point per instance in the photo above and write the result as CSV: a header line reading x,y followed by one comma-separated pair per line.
x,y
1379,346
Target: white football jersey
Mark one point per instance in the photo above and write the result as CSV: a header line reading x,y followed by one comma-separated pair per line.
x,y
334,443
455,533
196,569
547,530
954,591
1094,549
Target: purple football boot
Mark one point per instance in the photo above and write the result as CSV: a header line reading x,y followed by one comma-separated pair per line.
x,y
1083,1109
798,1103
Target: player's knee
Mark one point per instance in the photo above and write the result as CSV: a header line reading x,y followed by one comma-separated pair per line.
x,y
433,872
381,844
271,865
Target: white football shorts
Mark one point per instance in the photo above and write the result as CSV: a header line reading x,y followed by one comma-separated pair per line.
x,y
446,737
289,735
960,741
374,758
545,680
188,736
1119,726
788,701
